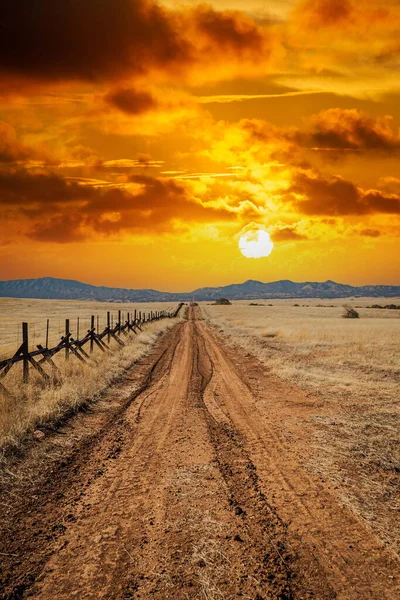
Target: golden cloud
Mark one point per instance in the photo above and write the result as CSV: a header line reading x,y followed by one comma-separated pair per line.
x,y
314,194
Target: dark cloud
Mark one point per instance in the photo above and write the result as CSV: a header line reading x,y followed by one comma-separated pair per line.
x,y
90,40
334,132
62,229
156,204
62,211
341,129
229,30
131,101
336,197
10,149
101,40
351,15
371,232
380,202
324,13
22,188
287,234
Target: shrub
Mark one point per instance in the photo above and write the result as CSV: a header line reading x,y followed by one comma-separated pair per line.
x,y
349,312
222,301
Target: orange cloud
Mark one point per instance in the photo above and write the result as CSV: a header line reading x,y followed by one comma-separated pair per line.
x,y
230,31
58,210
318,195
324,13
345,14
10,149
371,232
131,101
333,133
287,233
346,47
341,129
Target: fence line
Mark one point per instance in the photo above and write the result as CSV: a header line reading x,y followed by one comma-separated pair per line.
x,y
74,346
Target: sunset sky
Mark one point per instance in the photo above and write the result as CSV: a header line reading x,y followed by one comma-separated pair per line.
x,y
139,140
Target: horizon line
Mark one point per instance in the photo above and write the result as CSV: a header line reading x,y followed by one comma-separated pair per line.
x,y
191,291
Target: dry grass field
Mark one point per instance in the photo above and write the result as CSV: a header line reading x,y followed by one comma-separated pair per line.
x,y
352,368
37,403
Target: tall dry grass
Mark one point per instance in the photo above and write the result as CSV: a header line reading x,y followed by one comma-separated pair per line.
x,y
34,404
311,344
13,311
353,367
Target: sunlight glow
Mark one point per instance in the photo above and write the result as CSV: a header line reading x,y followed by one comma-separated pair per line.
x,y
256,244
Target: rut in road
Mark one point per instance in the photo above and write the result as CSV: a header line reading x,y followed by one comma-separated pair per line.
x,y
333,550
185,494
161,520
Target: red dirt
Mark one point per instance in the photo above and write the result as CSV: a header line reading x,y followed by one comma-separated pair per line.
x,y
182,486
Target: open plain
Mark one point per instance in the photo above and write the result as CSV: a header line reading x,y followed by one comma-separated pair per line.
x,y
191,478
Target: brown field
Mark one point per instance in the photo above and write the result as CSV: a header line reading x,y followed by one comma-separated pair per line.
x,y
250,453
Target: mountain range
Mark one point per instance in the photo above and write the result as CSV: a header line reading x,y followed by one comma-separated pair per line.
x,y
68,289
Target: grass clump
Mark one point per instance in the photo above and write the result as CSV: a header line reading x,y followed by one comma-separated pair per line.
x,y
36,404
222,302
349,312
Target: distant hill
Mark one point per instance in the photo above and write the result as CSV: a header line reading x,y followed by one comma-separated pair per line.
x,y
68,289
251,290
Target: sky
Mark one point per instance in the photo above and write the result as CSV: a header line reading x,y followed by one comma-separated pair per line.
x,y
139,140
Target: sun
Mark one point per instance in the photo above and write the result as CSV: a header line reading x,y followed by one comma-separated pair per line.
x,y
256,243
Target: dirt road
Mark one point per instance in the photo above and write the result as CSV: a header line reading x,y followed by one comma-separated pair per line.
x,y
180,485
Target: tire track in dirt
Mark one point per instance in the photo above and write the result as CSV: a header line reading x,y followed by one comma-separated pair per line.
x,y
270,561
182,492
330,543
114,514
39,492
164,507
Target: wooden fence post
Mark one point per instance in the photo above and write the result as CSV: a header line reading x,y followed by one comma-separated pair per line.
x,y
119,322
67,342
91,336
47,334
108,326
25,352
